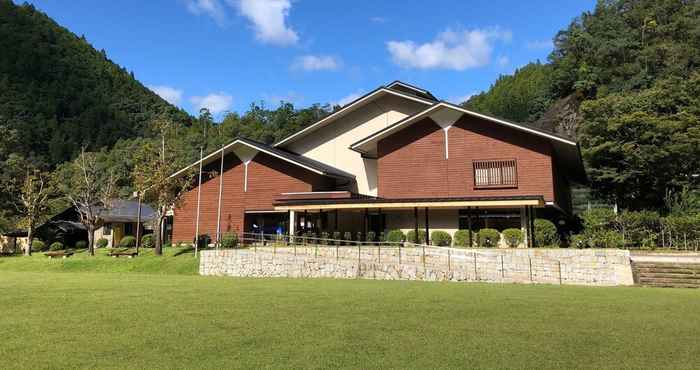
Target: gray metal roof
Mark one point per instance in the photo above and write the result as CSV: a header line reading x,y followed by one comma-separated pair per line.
x,y
127,211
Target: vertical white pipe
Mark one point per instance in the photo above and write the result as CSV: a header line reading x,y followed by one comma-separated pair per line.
x,y
218,212
199,197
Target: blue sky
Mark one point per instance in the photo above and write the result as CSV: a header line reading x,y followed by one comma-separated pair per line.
x,y
225,54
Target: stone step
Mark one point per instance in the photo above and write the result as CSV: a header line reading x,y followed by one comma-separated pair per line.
x,y
669,281
669,276
668,271
687,266
670,285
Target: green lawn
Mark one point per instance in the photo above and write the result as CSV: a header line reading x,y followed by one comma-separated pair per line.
x,y
175,261
131,320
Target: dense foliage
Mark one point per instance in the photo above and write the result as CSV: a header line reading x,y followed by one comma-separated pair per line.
x,y
623,78
61,94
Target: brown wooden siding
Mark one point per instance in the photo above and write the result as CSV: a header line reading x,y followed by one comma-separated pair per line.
x,y
268,177
411,163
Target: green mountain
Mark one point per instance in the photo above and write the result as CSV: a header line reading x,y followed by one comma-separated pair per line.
x,y
58,94
624,80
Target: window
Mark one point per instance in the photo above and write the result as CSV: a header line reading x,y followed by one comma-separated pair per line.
x,y
495,173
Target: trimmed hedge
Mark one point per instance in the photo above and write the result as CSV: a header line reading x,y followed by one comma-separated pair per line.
x,y
440,238
229,240
127,242
100,243
488,238
56,246
546,234
578,241
395,236
410,236
462,239
513,237
38,246
147,241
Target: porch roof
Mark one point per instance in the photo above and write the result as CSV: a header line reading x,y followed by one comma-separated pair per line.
x,y
405,203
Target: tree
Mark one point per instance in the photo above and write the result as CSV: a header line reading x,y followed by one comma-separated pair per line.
x,y
35,193
154,166
90,187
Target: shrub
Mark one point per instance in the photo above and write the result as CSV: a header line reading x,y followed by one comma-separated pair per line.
x,y
410,236
607,239
639,229
81,244
38,246
336,238
395,236
359,236
325,236
147,241
578,241
440,238
513,237
382,236
546,234
347,236
488,238
371,236
311,238
462,239
100,243
127,242
229,240
56,246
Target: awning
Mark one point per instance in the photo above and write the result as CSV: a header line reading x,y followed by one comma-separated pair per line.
x,y
384,203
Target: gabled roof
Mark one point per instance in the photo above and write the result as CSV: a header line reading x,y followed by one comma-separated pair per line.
x,y
414,93
402,86
564,147
304,162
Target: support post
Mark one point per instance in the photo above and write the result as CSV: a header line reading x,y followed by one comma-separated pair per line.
x,y
138,228
532,227
365,221
336,220
469,225
292,225
415,229
427,227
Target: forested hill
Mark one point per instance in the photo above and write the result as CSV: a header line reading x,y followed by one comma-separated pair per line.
x,y
624,79
58,93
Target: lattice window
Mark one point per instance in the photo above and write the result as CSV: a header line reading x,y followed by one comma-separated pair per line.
x,y
495,173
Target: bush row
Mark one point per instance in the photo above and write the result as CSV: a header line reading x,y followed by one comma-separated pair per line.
x,y
603,228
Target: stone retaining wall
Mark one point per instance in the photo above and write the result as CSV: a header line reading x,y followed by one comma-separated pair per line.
x,y
549,266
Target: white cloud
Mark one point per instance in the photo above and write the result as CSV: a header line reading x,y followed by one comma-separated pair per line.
x,y
502,61
461,99
211,8
316,63
269,20
171,94
215,102
539,44
378,19
456,50
348,98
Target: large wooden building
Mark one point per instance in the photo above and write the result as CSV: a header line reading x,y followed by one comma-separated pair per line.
x,y
396,158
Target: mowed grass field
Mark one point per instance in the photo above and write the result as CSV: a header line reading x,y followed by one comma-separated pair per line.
x,y
87,319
